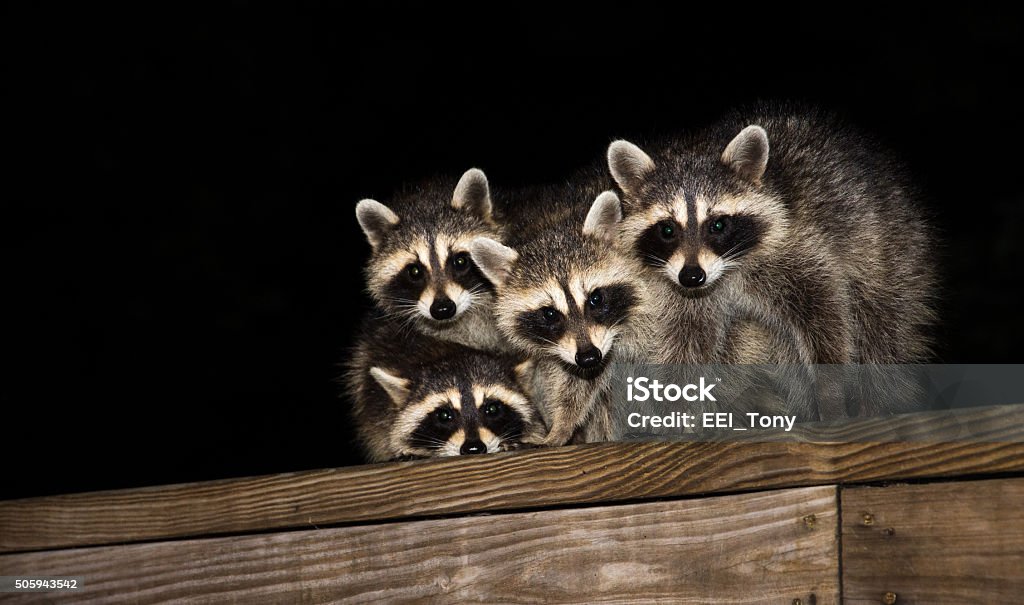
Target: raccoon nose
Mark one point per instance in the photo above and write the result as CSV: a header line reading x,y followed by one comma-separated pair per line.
x,y
588,358
692,276
442,308
474,446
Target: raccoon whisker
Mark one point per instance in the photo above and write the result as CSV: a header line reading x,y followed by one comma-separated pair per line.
x,y
407,327
550,342
737,251
657,262
726,267
732,252
399,311
401,302
431,442
401,318
507,435
477,291
403,314
406,321
406,308
512,432
736,256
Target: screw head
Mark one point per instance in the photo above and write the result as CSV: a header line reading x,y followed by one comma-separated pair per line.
x,y
868,519
889,598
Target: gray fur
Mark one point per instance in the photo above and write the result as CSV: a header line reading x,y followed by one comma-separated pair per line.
x,y
602,221
747,154
844,269
552,245
390,369
629,165
493,259
437,218
395,386
376,220
473,194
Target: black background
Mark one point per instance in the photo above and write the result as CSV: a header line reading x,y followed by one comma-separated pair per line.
x,y
183,265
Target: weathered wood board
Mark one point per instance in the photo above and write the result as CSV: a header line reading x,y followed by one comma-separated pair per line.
x,y
958,542
771,547
598,473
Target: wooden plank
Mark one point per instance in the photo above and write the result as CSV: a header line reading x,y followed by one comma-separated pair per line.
x,y
993,423
596,473
959,542
750,548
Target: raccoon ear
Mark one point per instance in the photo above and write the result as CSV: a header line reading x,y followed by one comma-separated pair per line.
x,y
376,219
473,194
396,387
524,376
629,165
494,259
747,154
604,216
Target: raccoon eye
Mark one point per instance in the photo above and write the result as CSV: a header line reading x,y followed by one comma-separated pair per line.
x,y
492,407
667,230
718,225
596,299
444,415
461,261
549,313
414,271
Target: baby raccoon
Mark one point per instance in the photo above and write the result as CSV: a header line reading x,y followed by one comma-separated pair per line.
x,y
420,270
568,299
416,396
791,219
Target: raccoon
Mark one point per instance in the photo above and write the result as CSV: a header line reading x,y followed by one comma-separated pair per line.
x,y
565,297
786,217
417,396
420,270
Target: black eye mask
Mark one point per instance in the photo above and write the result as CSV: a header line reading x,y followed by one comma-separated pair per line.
x,y
732,236
610,304
659,241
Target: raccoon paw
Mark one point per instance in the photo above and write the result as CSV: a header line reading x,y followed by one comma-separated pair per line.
x,y
531,442
556,439
405,458
516,446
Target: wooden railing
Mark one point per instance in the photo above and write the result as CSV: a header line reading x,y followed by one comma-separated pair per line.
x,y
809,517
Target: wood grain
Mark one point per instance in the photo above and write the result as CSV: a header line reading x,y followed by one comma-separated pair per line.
x,y
993,423
960,542
750,548
596,473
